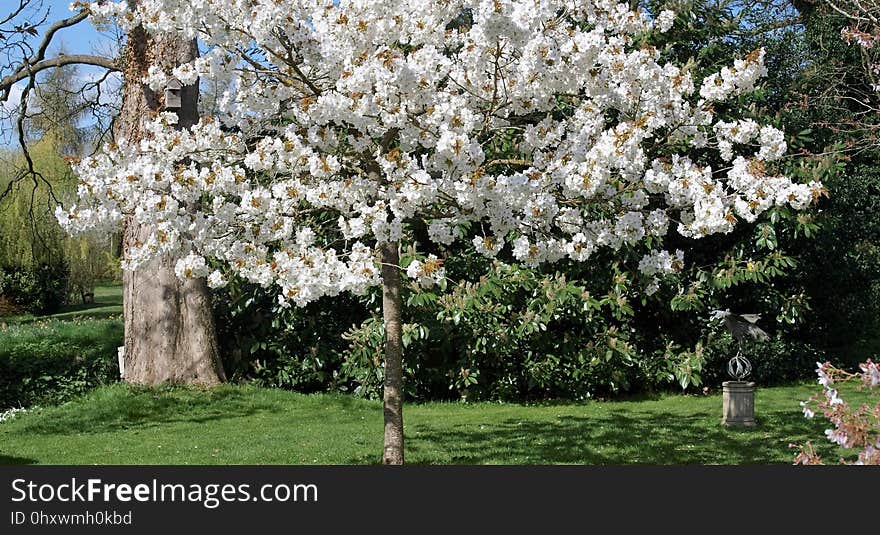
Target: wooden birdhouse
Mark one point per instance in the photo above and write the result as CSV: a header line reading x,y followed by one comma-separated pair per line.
x,y
173,94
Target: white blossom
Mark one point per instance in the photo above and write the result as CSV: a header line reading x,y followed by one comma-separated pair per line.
x,y
661,263
217,280
9,414
808,413
191,266
389,113
665,20
427,273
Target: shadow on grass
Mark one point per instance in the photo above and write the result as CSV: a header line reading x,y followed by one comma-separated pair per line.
x,y
8,460
144,408
100,303
108,304
622,437
100,313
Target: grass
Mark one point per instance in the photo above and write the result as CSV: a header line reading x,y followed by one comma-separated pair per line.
x,y
120,424
107,305
48,337
52,358
75,329
93,327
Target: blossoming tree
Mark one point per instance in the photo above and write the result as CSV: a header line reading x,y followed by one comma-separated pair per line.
x,y
169,327
856,427
538,129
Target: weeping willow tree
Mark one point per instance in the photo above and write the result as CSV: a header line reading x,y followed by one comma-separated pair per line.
x,y
33,183
29,233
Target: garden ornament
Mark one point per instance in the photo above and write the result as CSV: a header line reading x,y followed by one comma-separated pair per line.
x,y
742,327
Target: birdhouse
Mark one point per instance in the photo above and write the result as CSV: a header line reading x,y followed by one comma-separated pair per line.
x,y
172,94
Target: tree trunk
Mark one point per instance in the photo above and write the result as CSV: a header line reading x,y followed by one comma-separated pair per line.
x,y
169,324
393,395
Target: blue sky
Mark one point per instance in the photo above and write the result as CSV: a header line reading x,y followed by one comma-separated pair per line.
x,y
82,38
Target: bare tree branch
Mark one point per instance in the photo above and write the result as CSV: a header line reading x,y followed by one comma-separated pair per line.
x,y
22,4
59,61
26,54
38,62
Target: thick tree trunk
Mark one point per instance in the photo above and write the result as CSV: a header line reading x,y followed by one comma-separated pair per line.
x,y
169,324
393,396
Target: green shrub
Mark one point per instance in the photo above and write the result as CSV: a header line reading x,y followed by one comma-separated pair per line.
x,y
777,361
51,362
40,289
293,348
513,334
519,334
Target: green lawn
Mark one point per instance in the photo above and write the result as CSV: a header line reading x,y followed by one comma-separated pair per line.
x,y
119,424
47,359
107,305
247,425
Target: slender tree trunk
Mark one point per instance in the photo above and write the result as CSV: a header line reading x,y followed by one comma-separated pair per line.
x,y
393,395
169,324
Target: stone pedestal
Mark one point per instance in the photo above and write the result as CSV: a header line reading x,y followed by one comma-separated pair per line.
x,y
739,403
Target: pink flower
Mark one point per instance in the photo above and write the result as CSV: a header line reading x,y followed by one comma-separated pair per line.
x,y
807,412
824,379
837,436
872,372
833,398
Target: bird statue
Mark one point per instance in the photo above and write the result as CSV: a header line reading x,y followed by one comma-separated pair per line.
x,y
742,328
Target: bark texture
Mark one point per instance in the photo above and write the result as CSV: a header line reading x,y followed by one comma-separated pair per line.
x,y
170,334
393,394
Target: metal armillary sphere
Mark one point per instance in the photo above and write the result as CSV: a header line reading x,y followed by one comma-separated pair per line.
x,y
742,327
739,367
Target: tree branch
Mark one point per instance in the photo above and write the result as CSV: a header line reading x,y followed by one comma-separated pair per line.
x,y
60,61
15,12
30,66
